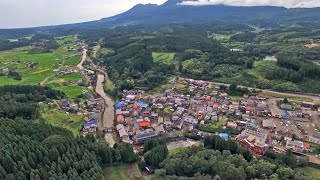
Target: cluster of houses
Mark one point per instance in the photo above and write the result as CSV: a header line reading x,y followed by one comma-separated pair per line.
x,y
90,111
140,116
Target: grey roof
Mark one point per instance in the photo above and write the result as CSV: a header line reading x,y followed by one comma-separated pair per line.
x,y
145,135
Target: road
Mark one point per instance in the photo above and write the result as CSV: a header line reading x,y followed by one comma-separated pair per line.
x,y
314,97
83,58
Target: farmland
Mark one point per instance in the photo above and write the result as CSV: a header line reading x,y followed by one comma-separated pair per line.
x,y
45,66
166,58
122,172
59,118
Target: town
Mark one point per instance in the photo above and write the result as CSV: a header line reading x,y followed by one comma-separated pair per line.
x,y
256,122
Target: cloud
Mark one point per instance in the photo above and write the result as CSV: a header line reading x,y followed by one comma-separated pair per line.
x,y
30,13
284,3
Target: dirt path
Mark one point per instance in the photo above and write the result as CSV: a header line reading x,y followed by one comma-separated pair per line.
x,y
84,57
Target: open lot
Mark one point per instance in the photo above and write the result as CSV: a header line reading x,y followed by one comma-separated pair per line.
x,y
311,172
122,172
59,118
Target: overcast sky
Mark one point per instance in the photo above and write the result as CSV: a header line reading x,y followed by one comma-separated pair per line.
x,y
30,13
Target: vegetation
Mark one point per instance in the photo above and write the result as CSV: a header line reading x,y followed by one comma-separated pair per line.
x,y
200,163
186,50
27,153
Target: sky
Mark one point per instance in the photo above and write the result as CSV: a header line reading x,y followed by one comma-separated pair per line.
x,y
31,13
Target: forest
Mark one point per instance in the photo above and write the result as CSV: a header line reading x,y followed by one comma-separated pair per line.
x,y
53,153
203,51
201,163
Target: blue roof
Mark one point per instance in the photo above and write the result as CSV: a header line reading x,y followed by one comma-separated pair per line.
x,y
119,105
90,123
141,104
285,114
224,135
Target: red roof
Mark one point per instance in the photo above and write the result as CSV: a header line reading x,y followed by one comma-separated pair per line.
x,y
144,124
120,118
307,146
215,105
249,108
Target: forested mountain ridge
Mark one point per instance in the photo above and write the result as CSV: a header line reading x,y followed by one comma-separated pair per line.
x,y
172,12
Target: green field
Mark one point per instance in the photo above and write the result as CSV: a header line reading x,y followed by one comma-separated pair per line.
x,y
59,118
122,172
72,61
166,58
312,173
43,72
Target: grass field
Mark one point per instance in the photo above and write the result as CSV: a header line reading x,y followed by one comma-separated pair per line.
x,y
72,61
122,172
43,72
166,58
59,118
312,173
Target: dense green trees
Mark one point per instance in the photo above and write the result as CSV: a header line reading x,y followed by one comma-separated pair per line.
x,y
201,163
155,152
12,110
216,143
27,153
25,93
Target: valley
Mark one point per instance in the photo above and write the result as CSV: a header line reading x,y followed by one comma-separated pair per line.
x,y
170,91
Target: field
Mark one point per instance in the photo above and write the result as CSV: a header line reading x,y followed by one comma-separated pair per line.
x,y
43,72
312,173
166,58
122,172
290,98
59,118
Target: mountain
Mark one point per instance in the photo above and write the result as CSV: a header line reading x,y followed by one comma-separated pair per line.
x,y
171,12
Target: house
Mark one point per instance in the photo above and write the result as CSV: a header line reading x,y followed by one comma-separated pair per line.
x,y
255,140
123,134
90,126
144,124
268,124
314,139
285,114
295,146
120,118
286,107
142,136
